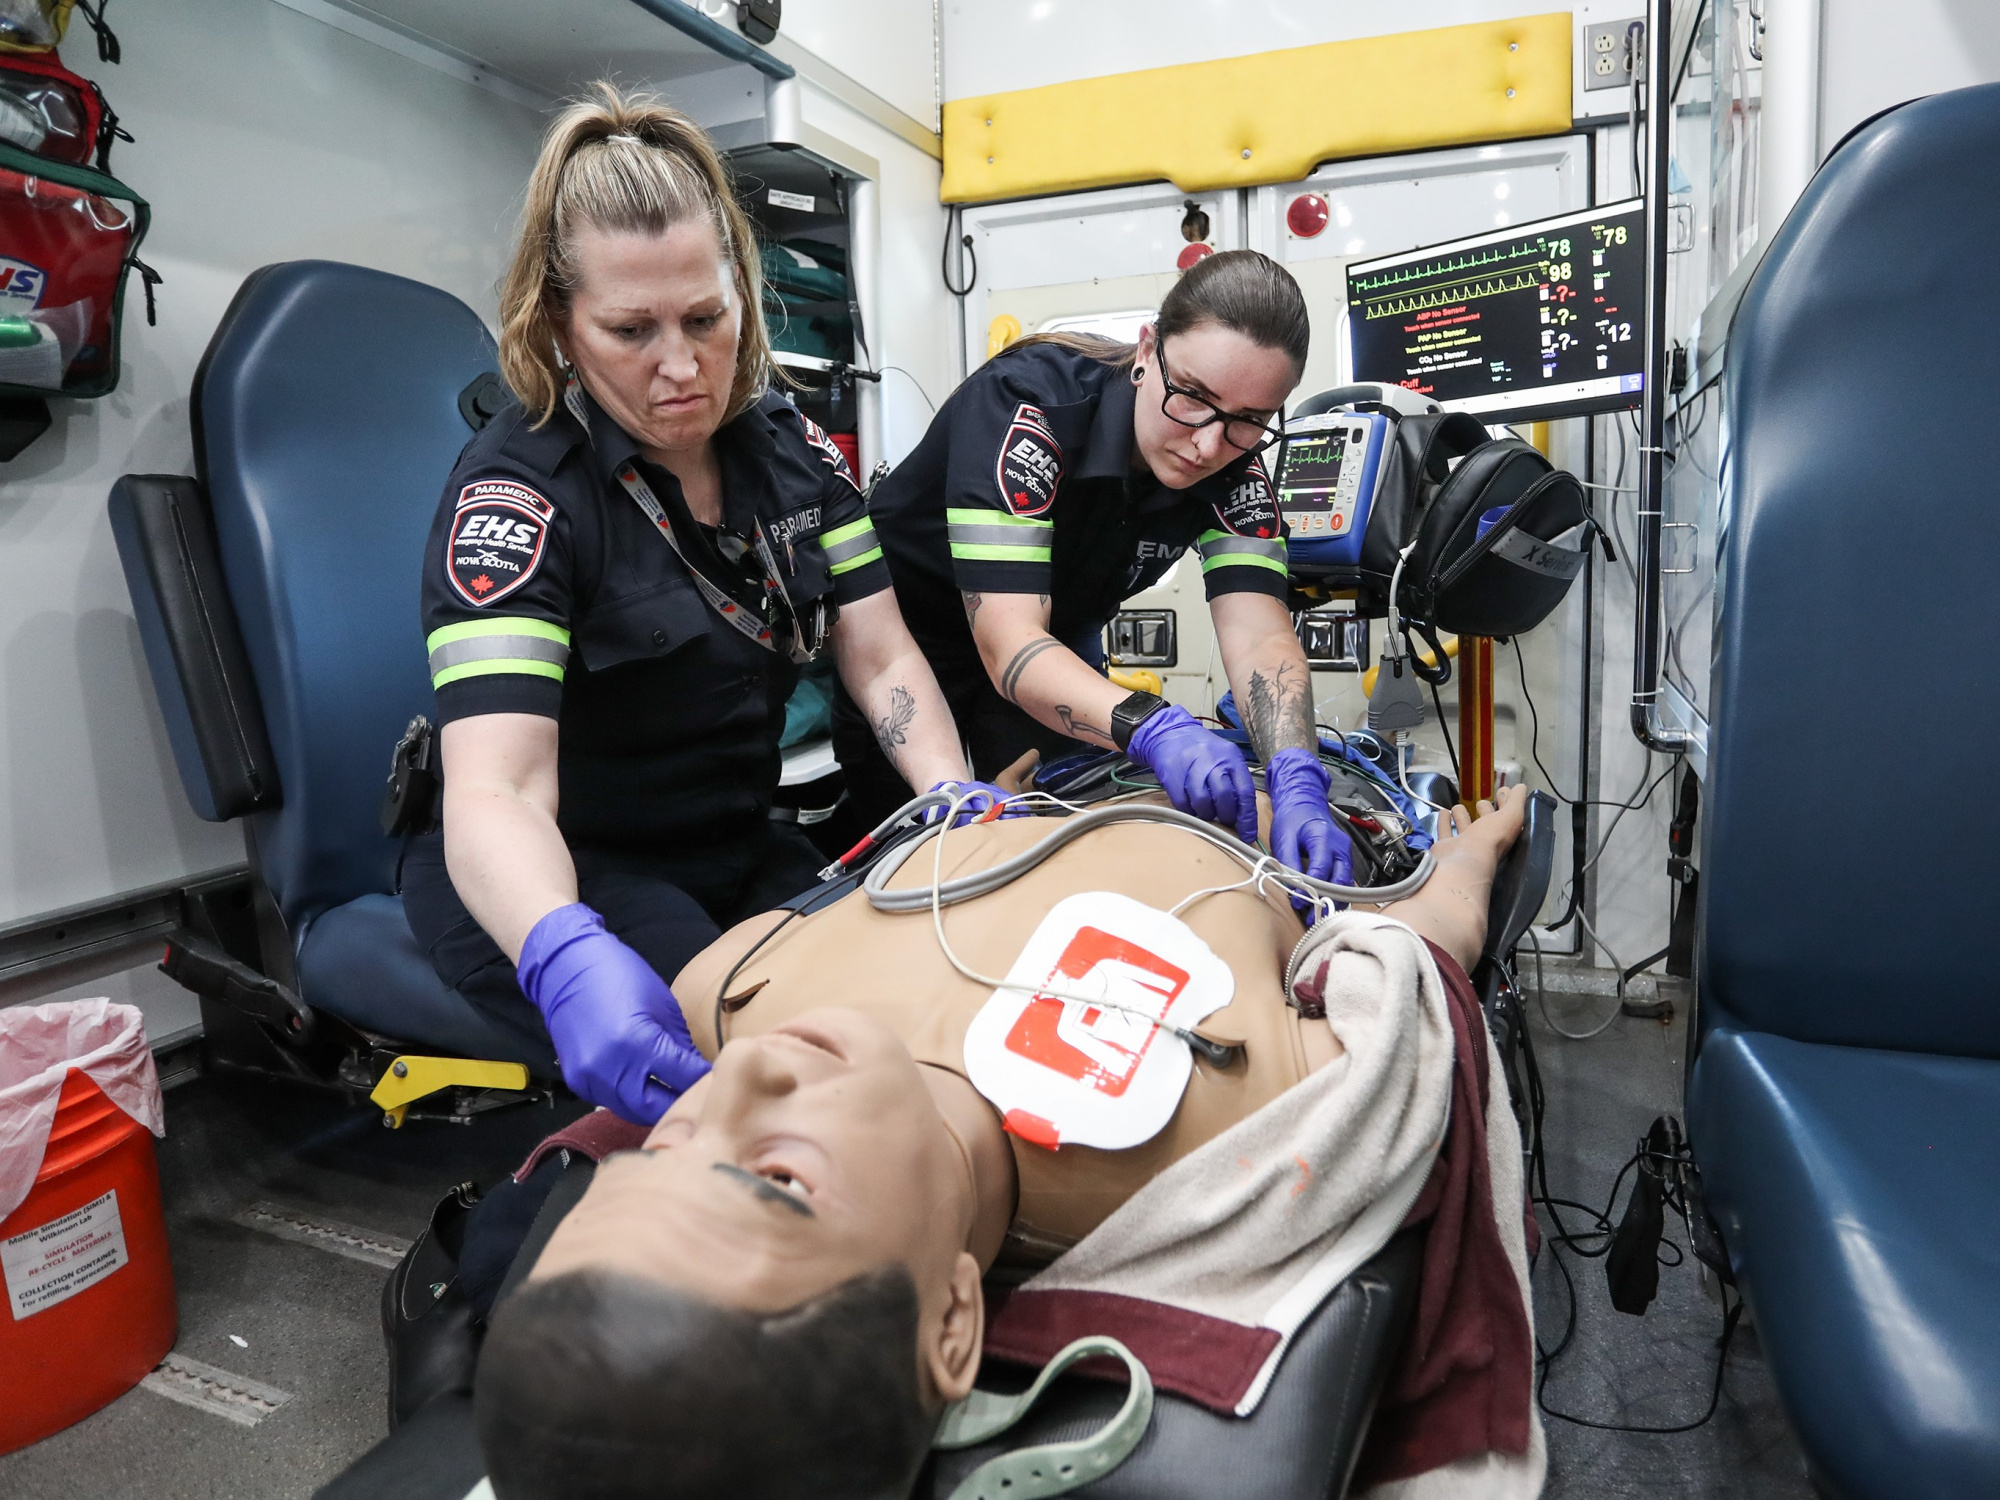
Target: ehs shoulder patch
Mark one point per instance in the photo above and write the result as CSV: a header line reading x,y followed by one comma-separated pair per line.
x,y
499,531
1250,508
1030,465
829,450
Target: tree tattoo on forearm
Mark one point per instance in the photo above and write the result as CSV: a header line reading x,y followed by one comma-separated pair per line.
x,y
892,730
1279,714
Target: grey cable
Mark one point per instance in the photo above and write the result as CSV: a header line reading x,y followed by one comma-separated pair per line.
x,y
984,882
1542,991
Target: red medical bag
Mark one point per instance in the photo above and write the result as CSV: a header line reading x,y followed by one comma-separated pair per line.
x,y
68,235
52,112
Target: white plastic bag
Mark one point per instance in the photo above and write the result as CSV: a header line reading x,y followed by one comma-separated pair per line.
x,y
39,1044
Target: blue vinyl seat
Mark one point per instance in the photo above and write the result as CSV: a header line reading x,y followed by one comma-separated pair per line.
x,y
1845,1099
277,601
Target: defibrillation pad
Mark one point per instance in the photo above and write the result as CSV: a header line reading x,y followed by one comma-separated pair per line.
x,y
1103,1068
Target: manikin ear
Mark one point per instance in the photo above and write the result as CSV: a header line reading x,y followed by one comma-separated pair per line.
x,y
951,1346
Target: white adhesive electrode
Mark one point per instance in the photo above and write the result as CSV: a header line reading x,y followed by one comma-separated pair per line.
x,y
1096,1071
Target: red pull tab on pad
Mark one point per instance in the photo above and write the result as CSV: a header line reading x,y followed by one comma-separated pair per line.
x,y
1032,1128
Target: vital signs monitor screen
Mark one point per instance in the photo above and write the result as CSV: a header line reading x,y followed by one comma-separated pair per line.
x,y
1538,320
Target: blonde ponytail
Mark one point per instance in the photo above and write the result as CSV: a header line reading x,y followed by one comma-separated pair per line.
x,y
630,164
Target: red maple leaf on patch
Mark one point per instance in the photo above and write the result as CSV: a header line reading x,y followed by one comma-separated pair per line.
x,y
481,584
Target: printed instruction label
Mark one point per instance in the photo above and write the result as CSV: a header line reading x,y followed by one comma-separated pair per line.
x,y
54,1261
803,202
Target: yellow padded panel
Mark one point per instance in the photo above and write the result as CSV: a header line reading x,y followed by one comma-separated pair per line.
x,y
1271,117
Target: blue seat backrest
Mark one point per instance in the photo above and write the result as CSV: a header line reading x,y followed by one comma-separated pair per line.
x,y
326,421
1849,880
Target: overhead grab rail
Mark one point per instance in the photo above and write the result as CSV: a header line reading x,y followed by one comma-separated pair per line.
x,y
1646,723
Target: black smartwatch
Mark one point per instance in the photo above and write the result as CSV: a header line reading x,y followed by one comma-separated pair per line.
x,y
1130,714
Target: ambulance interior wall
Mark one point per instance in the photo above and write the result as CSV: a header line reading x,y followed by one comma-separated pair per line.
x,y
261,136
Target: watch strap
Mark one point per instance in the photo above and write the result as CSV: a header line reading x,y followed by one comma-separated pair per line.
x,y
1131,713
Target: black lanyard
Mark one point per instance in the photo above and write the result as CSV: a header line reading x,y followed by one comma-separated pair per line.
x,y
804,639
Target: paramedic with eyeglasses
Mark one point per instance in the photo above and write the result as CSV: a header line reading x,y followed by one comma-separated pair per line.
x,y
624,572
1065,475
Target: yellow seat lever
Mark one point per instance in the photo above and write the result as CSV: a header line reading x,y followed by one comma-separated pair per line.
x,y
409,1079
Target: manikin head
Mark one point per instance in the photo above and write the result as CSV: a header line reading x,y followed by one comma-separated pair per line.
x,y
772,1297
636,268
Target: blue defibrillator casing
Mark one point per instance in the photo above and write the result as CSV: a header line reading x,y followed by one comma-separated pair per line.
x,y
1328,474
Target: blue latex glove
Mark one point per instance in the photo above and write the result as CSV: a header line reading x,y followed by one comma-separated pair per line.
x,y
1202,773
618,1030
1303,833
981,798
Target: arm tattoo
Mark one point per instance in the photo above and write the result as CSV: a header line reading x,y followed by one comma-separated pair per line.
x,y
1280,710
972,603
1079,727
892,729
1010,679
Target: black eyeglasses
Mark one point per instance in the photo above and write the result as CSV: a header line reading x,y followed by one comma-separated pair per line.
x,y
1245,433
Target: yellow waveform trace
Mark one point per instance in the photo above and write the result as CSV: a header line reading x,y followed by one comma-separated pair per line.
x,y
1469,262
1445,296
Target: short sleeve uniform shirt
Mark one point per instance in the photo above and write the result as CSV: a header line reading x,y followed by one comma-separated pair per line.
x,y
547,590
1025,485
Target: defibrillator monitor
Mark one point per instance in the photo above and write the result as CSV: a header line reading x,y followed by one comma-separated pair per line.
x,y
1327,477
1533,321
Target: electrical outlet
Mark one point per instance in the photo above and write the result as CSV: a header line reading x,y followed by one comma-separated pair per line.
x,y
1607,61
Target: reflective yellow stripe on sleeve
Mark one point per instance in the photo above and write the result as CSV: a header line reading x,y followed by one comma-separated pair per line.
x,y
479,648
998,536
1219,549
851,546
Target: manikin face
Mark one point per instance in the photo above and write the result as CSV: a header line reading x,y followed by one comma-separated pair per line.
x,y
1225,368
810,1155
652,330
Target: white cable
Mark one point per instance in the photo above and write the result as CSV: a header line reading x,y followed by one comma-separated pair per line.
x,y
1403,775
1035,991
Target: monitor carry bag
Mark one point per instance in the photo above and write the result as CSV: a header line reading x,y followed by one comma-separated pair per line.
x,y
68,237
1486,517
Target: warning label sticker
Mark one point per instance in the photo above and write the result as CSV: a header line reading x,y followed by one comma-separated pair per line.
x,y
54,1261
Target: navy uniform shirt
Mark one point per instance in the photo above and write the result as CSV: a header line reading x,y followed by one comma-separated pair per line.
x,y
1024,485
548,591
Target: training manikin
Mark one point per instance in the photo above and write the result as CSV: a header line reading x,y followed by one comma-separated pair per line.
x,y
891,967
845,1137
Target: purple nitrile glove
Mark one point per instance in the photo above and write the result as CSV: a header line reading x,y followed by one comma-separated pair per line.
x,y
1303,833
618,1030
981,798
1201,773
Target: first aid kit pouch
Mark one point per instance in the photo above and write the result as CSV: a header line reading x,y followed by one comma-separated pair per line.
x,y
52,112
68,236
33,25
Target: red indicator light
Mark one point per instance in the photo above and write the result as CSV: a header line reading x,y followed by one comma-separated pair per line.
x,y
1306,216
1193,253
